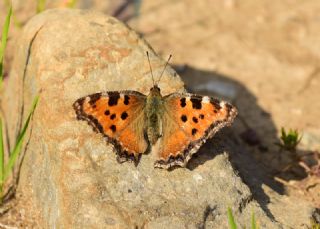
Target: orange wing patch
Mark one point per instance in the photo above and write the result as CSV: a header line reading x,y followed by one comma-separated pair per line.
x,y
189,121
198,114
115,114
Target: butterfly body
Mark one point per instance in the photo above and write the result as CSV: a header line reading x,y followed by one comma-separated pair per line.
x,y
154,113
134,122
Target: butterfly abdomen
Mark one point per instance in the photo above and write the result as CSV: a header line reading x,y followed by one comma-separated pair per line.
x,y
154,112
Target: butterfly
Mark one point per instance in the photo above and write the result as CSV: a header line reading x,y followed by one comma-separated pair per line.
x,y
174,126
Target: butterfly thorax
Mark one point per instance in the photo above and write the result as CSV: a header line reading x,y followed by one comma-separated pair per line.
x,y
154,112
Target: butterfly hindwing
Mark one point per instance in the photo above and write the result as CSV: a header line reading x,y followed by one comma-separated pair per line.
x,y
188,121
120,117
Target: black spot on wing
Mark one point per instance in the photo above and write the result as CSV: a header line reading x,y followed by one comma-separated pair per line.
x,y
107,112
194,131
184,118
113,98
124,115
94,98
216,104
126,100
113,116
113,128
201,116
196,102
195,120
183,102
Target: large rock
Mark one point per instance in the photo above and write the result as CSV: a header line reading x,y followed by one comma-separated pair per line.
x,y
70,173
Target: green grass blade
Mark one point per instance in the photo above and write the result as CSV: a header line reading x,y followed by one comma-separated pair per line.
x,y
17,148
5,31
231,221
16,22
253,222
4,39
1,153
1,161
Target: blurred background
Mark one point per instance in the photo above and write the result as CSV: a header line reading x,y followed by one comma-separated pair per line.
x,y
263,56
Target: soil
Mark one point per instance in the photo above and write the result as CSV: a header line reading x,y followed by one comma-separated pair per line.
x,y
265,57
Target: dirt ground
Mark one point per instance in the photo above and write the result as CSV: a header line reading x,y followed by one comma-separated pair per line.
x,y
263,56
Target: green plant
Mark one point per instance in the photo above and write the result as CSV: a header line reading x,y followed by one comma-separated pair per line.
x,y
72,3
253,222
41,4
290,139
16,22
6,168
1,160
233,224
4,39
315,225
231,220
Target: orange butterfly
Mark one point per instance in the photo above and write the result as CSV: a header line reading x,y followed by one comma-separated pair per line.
x,y
134,122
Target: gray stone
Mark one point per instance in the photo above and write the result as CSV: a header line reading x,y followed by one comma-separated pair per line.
x,y
70,173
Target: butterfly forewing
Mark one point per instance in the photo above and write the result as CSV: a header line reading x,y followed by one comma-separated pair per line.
x,y
188,121
119,116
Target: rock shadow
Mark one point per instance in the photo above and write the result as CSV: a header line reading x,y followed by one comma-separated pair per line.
x,y
254,173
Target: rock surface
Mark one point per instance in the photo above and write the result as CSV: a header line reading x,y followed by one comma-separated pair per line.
x,y
70,173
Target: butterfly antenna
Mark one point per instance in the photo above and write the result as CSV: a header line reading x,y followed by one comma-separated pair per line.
x,y
164,68
150,68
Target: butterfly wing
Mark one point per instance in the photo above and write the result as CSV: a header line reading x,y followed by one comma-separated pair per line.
x,y
188,121
119,116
